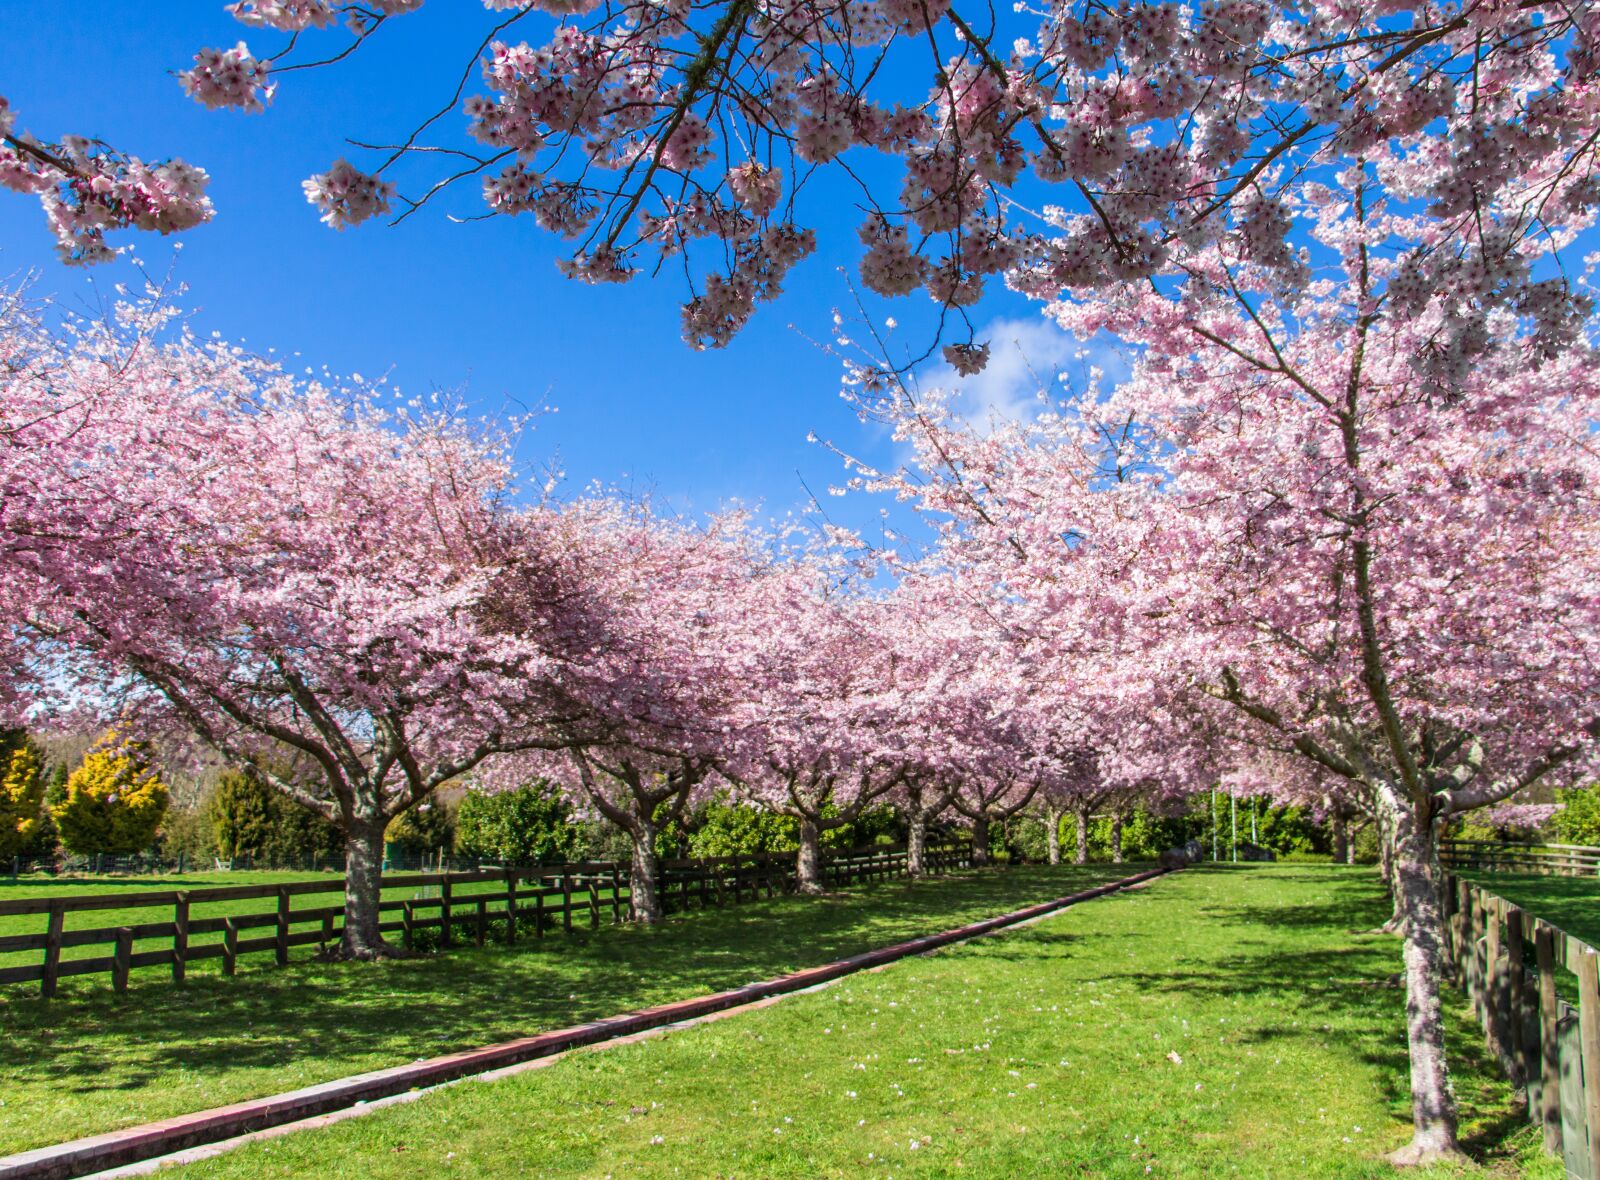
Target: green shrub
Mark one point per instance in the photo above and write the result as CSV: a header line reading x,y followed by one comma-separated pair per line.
x,y
425,830
1024,839
1578,821
252,821
532,824
188,832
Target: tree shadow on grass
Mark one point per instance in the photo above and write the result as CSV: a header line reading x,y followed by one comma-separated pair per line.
x,y
327,1020
1349,998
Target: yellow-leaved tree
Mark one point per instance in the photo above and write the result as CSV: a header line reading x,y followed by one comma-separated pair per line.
x,y
21,792
115,799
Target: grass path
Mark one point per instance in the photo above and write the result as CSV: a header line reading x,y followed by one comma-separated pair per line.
x,y
1221,1022
92,1061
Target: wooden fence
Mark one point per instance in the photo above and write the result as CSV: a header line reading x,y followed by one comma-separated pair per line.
x,y
456,908
1492,856
1507,961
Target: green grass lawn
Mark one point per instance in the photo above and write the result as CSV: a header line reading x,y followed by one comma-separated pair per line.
x,y
91,1060
1572,903
1220,1022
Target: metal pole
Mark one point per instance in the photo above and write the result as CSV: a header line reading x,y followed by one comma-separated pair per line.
x,y
1233,811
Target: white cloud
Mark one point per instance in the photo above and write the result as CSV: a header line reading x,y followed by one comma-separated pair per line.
x,y
1028,359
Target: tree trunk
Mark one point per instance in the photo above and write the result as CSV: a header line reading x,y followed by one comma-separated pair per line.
x,y
808,863
1341,838
980,840
644,903
1433,1107
1385,853
1081,853
916,844
1052,833
363,885
1386,829
1116,837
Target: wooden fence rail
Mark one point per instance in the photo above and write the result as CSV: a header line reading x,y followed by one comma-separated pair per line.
x,y
1507,961
449,909
1492,856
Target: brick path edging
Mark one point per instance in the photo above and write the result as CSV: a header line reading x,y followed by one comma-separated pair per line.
x,y
95,1153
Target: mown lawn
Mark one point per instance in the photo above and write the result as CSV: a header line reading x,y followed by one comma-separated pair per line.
x,y
91,1060
1220,1022
1572,903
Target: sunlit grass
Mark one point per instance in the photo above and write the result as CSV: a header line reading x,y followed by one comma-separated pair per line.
x,y
91,1061
1221,1022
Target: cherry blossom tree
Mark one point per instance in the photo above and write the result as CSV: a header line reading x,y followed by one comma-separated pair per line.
x,y
820,735
281,568
664,677
1322,529
1065,147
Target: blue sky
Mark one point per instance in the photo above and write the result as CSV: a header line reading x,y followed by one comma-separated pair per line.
x,y
476,306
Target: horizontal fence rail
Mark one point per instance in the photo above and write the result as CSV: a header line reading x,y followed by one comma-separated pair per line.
x,y
1492,856
1507,961
447,909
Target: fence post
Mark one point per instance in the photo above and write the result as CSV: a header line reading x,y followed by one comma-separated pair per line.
x,y
511,906
594,901
538,912
1544,949
52,949
616,894
180,938
566,903
280,949
483,921
1516,994
406,919
1494,1022
1589,1030
119,959
444,913
230,946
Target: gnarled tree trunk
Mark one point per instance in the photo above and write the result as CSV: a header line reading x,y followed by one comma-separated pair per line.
x,y
980,840
1433,1107
1081,853
363,886
644,899
916,843
808,862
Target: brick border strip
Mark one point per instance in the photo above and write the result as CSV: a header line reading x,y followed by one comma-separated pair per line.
x,y
81,1157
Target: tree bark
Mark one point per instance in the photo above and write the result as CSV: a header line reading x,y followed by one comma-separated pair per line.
x,y
808,862
1081,853
916,844
1386,829
644,902
1116,837
1341,838
1052,833
1433,1107
363,886
980,840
